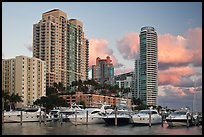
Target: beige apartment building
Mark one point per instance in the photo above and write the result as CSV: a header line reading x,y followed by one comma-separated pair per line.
x,y
61,43
25,76
93,100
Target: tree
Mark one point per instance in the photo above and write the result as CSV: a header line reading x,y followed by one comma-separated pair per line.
x,y
51,101
60,87
5,99
51,91
15,98
139,104
10,100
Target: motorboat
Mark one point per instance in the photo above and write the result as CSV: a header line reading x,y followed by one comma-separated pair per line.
x,y
71,110
64,112
91,115
55,114
143,117
120,116
179,118
28,115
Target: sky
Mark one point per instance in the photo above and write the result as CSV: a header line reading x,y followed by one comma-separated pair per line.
x,y
113,30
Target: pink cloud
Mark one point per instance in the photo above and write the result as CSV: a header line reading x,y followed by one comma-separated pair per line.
x,y
128,46
173,75
99,48
171,91
178,91
194,43
172,50
186,49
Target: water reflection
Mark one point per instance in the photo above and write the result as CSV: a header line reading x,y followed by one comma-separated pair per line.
x,y
55,128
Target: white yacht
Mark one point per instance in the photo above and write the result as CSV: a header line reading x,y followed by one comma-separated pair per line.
x,y
71,110
122,118
28,115
55,114
64,112
95,115
179,118
142,118
123,115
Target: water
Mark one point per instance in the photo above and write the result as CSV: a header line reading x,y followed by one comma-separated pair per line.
x,y
67,128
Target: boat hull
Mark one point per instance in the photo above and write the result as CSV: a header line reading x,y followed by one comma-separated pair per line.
x,y
83,120
120,121
26,117
178,122
145,120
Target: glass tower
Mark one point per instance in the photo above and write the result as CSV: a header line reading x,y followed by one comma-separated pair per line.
x,y
146,68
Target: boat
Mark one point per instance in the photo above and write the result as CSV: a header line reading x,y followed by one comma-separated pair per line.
x,y
142,117
71,110
64,112
90,115
179,118
55,114
122,114
28,115
122,118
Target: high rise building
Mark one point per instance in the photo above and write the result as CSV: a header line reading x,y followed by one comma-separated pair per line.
x,y
146,68
103,71
77,52
25,76
61,43
124,80
136,80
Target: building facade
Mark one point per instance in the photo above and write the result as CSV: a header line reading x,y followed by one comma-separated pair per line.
x,y
136,80
103,71
77,52
124,80
125,83
61,43
146,81
92,100
24,76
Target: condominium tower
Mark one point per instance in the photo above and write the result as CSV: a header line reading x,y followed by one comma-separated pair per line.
x,y
61,43
146,68
103,71
25,76
136,80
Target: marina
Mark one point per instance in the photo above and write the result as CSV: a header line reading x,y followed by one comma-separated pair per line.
x,y
87,123
67,128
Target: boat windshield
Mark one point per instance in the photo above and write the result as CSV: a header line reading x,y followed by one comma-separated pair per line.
x,y
107,107
77,107
179,113
147,112
54,111
31,110
95,112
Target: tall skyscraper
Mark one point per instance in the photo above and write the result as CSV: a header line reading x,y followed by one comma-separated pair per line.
x,y
103,71
147,66
136,80
77,52
61,43
25,76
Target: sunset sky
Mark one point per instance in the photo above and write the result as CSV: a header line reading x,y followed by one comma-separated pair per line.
x,y
113,30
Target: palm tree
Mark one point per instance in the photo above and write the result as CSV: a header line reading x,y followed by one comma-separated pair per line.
x,y
10,100
14,98
5,99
